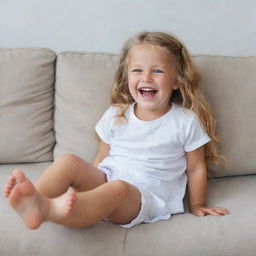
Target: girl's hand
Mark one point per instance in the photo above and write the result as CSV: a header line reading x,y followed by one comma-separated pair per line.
x,y
201,210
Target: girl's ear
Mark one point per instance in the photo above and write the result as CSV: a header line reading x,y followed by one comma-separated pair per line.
x,y
175,86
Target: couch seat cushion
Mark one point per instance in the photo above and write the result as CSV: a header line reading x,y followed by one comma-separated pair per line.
x,y
183,234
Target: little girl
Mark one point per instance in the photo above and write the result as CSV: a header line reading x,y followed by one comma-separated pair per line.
x,y
155,138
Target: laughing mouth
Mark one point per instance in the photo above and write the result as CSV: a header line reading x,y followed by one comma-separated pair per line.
x,y
147,92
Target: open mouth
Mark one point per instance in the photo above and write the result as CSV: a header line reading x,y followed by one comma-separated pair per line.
x,y
148,92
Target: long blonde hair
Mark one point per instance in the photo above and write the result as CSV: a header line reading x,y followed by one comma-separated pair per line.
x,y
189,94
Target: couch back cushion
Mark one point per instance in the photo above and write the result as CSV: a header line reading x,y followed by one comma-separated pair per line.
x,y
229,84
26,105
83,84
82,89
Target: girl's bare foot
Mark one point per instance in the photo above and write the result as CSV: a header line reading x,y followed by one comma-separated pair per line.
x,y
33,207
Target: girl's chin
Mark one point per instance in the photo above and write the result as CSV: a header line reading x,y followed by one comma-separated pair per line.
x,y
152,105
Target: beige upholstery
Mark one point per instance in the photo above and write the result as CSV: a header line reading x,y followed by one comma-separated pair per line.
x,y
229,84
26,105
184,234
83,82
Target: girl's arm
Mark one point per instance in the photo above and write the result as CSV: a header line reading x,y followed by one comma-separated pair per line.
x,y
103,151
197,183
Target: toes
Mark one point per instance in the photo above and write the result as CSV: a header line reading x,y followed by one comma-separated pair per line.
x,y
25,185
70,203
7,191
10,182
9,185
19,175
11,179
20,190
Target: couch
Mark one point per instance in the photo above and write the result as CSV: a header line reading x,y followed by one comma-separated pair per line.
x,y
49,105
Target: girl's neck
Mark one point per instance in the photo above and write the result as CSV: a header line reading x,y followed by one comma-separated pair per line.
x,y
149,115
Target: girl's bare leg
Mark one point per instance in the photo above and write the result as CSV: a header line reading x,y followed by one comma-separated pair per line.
x,y
69,171
117,200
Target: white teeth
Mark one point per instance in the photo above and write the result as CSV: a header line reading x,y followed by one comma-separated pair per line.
x,y
147,90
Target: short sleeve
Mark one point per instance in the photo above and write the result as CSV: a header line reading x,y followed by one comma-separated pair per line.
x,y
103,127
195,135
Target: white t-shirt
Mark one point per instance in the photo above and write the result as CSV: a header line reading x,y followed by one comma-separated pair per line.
x,y
151,154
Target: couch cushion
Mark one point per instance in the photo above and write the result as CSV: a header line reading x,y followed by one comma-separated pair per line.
x,y
183,234
229,86
187,234
82,95
83,83
52,239
26,105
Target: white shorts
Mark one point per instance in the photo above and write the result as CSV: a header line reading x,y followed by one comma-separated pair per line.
x,y
153,208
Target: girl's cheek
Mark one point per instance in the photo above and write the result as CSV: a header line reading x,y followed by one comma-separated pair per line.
x,y
133,80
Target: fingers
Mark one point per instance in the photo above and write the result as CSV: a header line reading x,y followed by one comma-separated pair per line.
x,y
201,214
215,211
221,210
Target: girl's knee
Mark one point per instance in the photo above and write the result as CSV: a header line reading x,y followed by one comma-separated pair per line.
x,y
70,159
120,187
129,201
67,157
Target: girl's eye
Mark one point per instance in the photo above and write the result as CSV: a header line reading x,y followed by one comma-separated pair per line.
x,y
157,71
154,71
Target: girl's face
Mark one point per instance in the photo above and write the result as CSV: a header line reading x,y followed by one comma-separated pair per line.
x,y
151,80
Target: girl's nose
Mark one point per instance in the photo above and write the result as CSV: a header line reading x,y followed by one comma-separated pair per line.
x,y
146,77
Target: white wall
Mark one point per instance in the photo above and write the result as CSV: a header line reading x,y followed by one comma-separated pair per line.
x,y
216,27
